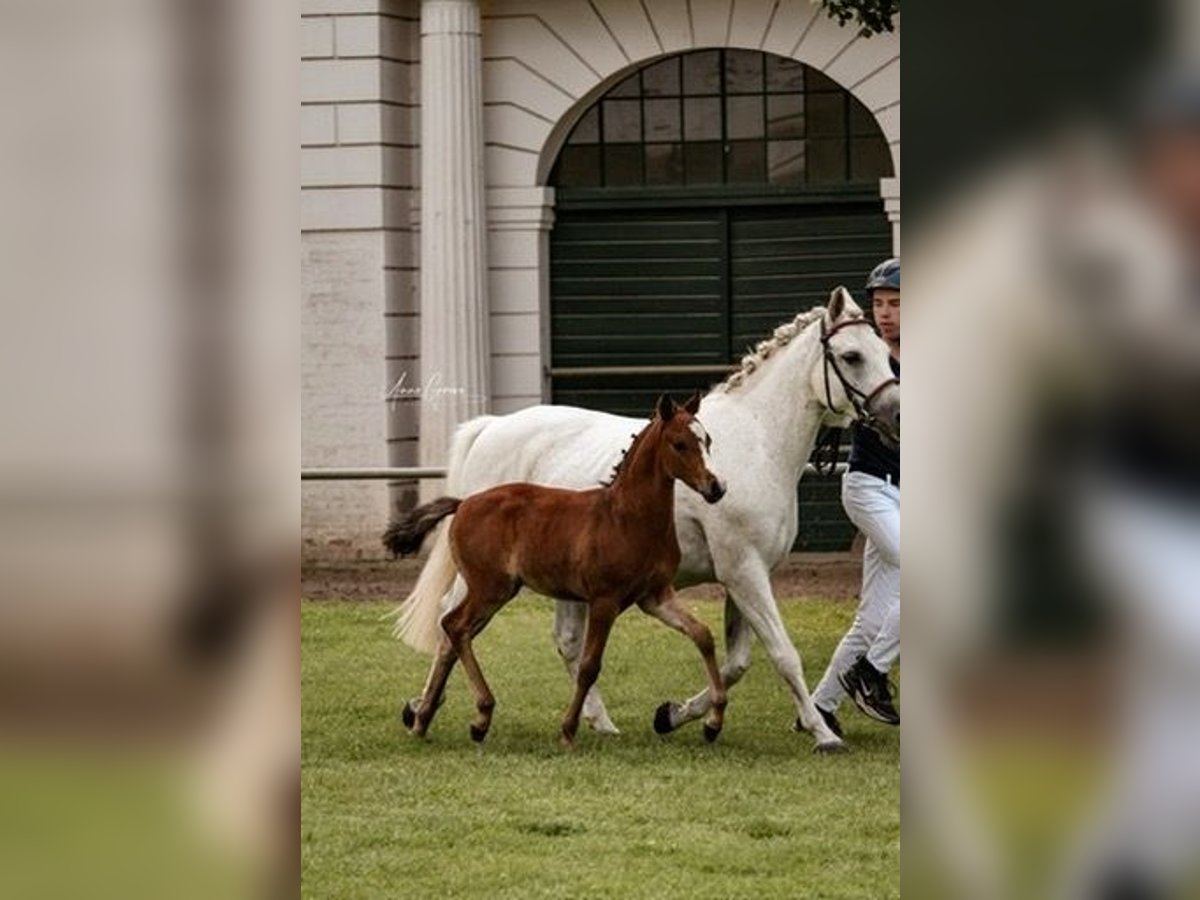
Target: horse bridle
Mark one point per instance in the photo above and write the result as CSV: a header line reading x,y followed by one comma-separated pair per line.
x,y
860,400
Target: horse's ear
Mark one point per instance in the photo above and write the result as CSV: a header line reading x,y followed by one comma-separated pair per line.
x,y
837,304
692,406
665,407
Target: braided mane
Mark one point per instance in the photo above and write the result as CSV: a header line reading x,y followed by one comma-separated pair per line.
x,y
783,336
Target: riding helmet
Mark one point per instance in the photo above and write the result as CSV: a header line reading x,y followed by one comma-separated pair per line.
x,y
885,275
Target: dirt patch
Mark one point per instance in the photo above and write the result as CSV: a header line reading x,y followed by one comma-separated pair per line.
x,y
826,575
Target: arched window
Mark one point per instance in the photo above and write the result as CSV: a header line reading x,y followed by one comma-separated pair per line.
x,y
711,117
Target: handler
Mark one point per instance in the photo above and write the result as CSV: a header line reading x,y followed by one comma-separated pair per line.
x,y
871,497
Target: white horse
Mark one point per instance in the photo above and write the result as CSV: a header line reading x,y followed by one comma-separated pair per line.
x,y
763,421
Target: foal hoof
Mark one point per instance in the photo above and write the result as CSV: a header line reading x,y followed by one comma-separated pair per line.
x,y
710,733
662,719
477,733
408,715
829,748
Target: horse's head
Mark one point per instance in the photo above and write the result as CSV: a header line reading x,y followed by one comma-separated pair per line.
x,y
683,447
853,376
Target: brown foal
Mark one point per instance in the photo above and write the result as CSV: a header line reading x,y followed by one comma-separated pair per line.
x,y
609,547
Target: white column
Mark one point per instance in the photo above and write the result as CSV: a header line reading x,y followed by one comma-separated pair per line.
x,y
455,348
889,190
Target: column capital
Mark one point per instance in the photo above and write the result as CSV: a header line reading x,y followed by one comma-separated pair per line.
x,y
450,17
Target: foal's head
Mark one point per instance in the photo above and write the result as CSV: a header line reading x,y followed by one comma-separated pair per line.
x,y
683,447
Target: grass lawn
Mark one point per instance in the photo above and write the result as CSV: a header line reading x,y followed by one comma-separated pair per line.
x,y
755,815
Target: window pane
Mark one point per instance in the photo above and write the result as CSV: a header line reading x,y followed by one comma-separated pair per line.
x,y
826,161
627,88
661,78
870,158
664,164
785,162
861,120
785,116
622,165
826,114
702,119
744,117
818,81
784,74
702,73
587,130
747,161
579,166
743,71
622,121
702,163
662,120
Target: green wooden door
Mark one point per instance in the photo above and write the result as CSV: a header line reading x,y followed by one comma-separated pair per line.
x,y
647,298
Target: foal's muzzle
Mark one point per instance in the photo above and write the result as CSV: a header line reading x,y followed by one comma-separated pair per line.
x,y
714,492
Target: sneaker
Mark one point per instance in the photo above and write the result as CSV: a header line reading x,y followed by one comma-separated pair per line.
x,y
869,689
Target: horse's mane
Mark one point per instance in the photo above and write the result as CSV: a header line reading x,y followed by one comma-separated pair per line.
x,y
783,336
751,362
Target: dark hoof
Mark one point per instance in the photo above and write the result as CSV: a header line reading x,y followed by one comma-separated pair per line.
x,y
662,719
710,733
477,733
829,748
408,715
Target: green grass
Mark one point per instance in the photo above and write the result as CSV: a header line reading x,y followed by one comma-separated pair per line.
x,y
756,815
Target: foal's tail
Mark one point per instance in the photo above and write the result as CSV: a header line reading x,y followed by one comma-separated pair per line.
x,y
418,618
405,535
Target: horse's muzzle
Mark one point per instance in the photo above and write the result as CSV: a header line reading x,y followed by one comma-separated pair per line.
x,y
715,491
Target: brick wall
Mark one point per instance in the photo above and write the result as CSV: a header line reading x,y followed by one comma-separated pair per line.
x,y
358,172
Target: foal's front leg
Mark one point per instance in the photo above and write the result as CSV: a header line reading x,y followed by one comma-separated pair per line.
x,y
667,609
601,615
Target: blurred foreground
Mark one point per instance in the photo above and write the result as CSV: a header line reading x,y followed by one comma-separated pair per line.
x,y
149,710
1052,492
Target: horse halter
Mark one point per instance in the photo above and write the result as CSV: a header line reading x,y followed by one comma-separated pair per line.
x,y
860,400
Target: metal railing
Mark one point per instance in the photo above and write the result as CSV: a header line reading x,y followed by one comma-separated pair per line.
x,y
591,371
394,473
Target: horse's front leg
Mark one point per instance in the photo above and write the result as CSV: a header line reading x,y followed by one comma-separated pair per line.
x,y
570,622
749,584
670,716
667,609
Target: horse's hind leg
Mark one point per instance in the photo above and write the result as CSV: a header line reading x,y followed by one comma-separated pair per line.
x,y
670,611
570,625
738,634
601,616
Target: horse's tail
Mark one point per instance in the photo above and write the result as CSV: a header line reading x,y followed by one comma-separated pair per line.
x,y
418,617
405,535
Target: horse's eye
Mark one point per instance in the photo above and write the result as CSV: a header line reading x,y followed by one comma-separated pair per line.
x,y
680,446
852,358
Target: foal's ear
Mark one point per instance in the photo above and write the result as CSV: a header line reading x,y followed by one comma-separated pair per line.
x,y
665,407
692,406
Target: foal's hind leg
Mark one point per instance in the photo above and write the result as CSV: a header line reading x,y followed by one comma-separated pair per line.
x,y
417,720
461,626
669,610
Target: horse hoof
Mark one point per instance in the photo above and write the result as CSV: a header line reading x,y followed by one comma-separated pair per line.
x,y
828,748
477,733
408,715
662,719
710,733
